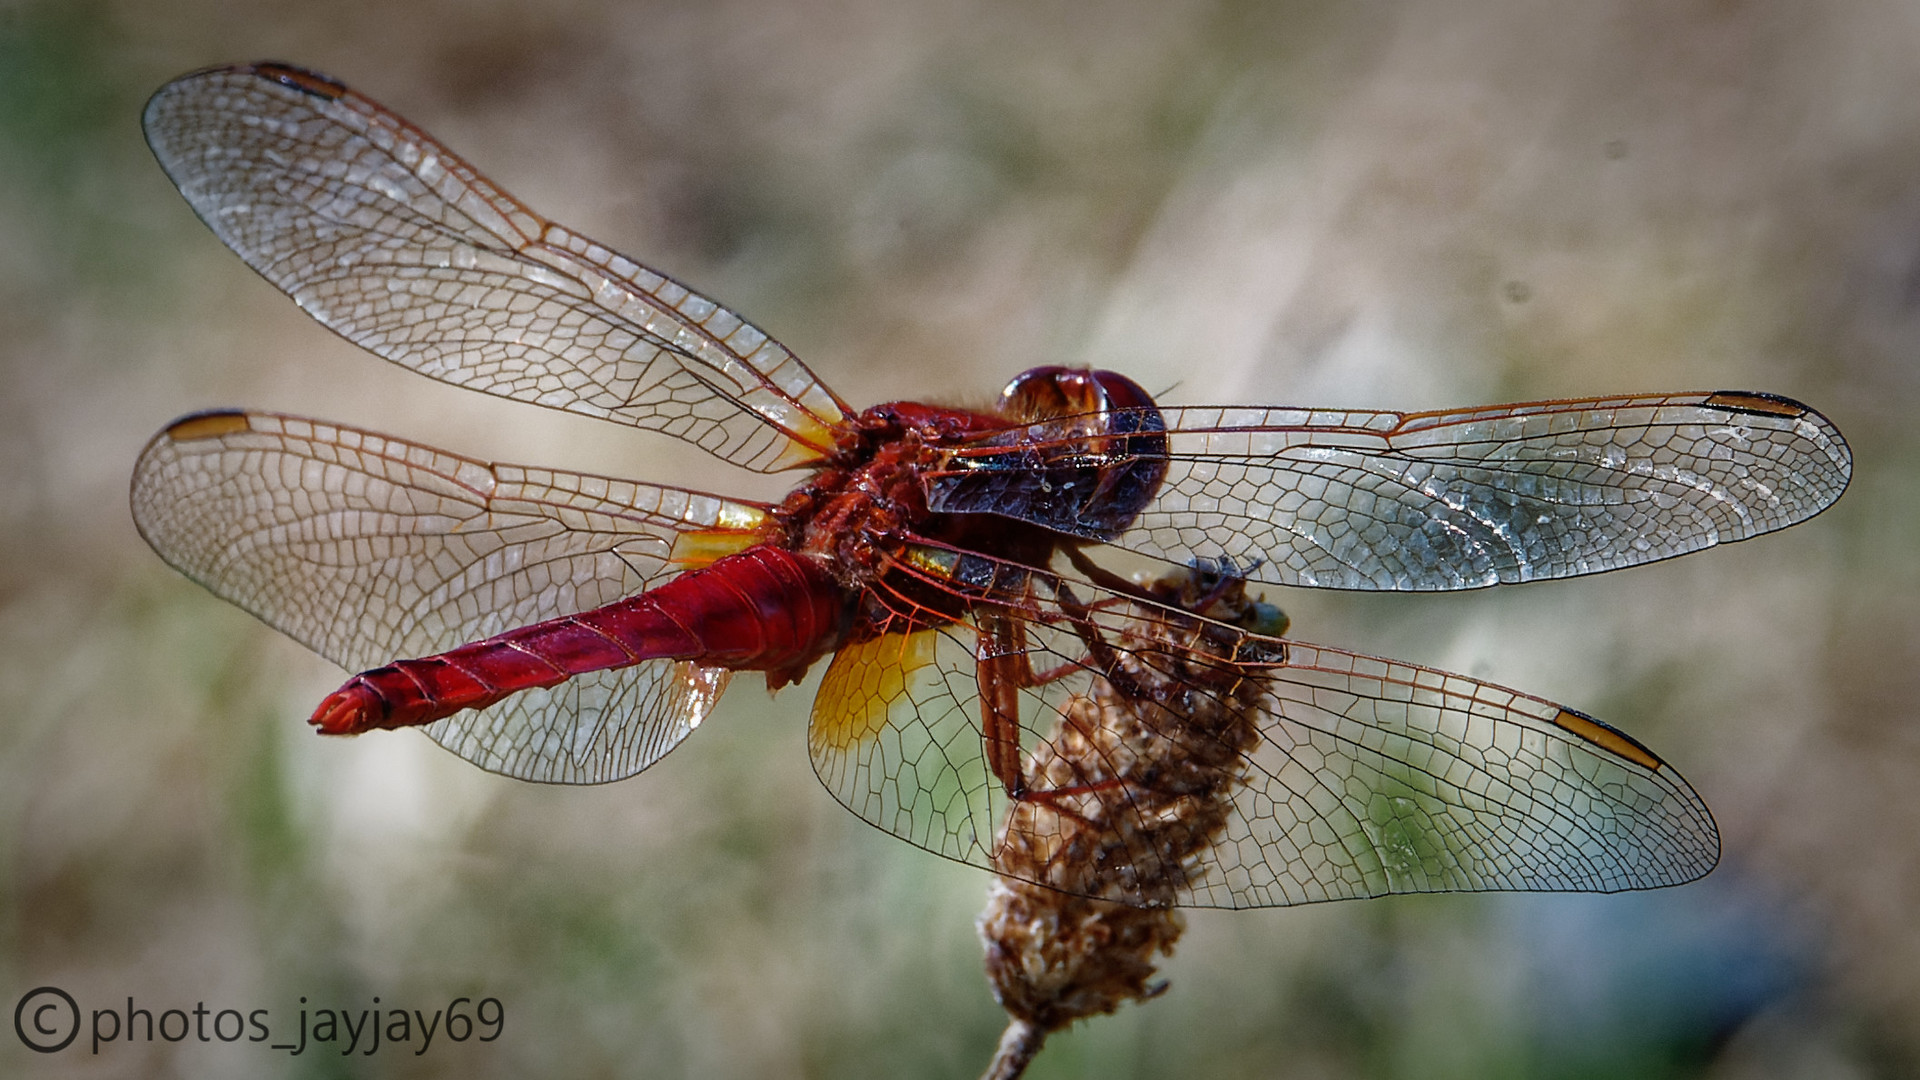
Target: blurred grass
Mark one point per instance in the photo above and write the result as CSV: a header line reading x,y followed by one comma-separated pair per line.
x,y
1371,204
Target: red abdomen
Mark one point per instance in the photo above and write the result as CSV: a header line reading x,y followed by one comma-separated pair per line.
x,y
764,609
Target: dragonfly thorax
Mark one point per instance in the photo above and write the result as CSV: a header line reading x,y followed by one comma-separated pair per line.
x,y
872,497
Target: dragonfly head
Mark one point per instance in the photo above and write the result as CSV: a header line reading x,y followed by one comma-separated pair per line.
x,y
1050,393
1085,456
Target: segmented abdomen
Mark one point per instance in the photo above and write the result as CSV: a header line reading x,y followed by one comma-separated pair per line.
x,y
763,609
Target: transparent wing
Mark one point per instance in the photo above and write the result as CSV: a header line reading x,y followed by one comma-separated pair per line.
x,y
392,241
1467,498
895,736
367,548
1376,776
1190,762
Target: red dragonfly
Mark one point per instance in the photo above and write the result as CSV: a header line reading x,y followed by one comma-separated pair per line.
x,y
570,628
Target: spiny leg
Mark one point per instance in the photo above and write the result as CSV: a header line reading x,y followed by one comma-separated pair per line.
x,y
1003,668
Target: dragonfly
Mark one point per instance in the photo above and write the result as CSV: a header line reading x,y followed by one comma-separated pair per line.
x,y
954,569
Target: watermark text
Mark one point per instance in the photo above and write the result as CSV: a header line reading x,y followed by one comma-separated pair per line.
x,y
49,1020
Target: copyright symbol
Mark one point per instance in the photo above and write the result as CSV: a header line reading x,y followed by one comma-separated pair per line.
x,y
37,1019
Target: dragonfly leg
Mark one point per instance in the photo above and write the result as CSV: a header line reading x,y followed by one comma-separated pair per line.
x,y
1056,799
1104,577
1003,667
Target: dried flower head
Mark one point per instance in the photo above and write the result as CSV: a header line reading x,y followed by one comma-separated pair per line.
x,y
1127,795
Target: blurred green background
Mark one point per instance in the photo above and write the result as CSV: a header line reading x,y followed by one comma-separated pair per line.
x,y
1362,203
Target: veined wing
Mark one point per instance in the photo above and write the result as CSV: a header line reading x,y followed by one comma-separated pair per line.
x,y
1376,776
1461,499
392,241
1199,764
367,548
